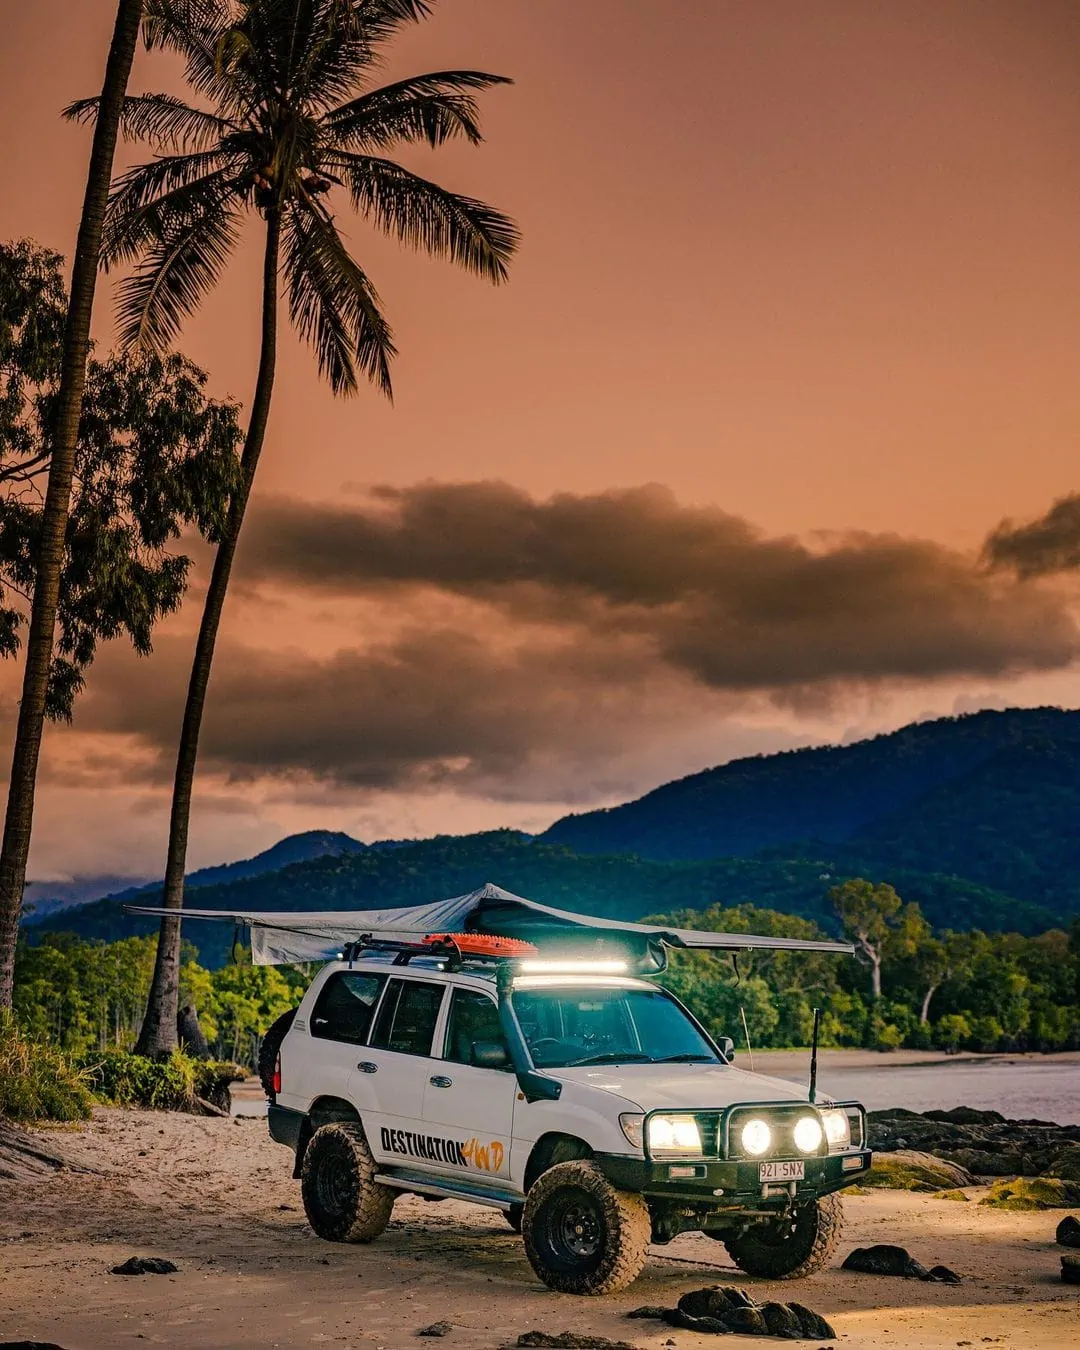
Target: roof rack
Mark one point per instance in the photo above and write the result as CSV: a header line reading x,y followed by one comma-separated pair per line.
x,y
444,949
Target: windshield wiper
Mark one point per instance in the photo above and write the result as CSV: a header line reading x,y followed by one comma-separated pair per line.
x,y
630,1056
687,1059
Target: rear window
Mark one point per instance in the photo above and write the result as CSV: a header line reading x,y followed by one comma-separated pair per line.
x,y
407,1018
344,1009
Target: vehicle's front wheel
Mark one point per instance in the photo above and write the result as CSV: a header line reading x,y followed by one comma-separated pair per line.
x,y
582,1236
796,1245
342,1200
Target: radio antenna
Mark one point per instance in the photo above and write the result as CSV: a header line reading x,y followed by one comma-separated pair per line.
x,y
746,1033
813,1056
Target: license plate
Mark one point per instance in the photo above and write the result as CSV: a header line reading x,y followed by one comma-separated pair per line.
x,y
782,1171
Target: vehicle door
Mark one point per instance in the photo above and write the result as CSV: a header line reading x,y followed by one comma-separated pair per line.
x,y
467,1102
392,1070
339,1022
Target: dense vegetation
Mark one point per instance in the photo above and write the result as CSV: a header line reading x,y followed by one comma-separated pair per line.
x,y
617,887
944,990
992,797
88,997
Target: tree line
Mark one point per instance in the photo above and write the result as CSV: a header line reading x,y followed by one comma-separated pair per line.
x,y
286,125
911,987
908,987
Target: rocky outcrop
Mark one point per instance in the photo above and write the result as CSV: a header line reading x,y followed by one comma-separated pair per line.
x,y
982,1142
907,1170
722,1309
1028,1193
1068,1232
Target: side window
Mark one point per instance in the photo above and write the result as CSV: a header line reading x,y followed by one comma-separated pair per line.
x,y
407,1018
343,1010
473,1017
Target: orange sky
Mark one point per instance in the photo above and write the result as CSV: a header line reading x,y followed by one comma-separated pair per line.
x,y
816,266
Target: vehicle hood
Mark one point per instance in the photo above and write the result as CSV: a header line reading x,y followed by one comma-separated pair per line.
x,y
684,1086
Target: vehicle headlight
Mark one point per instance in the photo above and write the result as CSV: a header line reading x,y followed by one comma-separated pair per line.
x,y
674,1134
837,1128
807,1134
756,1137
632,1126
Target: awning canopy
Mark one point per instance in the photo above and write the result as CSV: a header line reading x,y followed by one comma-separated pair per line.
x,y
278,938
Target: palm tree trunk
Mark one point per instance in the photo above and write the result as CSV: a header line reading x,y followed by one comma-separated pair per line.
x,y
158,1034
19,818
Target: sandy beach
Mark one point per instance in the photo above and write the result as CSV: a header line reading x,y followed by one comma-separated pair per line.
x,y
215,1196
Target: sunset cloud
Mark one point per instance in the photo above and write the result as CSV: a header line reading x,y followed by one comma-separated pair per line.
x,y
1049,544
471,638
713,596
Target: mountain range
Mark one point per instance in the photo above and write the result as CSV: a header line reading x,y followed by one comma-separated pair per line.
x,y
976,817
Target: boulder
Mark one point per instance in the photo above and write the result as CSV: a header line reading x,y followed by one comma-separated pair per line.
x,y
650,1310
1066,1165
994,1162
1027,1193
709,1302
145,1265
907,1170
782,1321
814,1326
966,1115
884,1259
675,1317
951,1195
1070,1269
746,1321
437,1329
1068,1232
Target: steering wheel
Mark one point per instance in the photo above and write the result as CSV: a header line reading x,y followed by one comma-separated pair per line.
x,y
537,1046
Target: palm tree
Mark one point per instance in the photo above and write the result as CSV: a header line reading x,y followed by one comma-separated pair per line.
x,y
19,817
292,125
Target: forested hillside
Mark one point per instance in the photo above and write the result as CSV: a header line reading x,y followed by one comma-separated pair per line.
x,y
993,797
620,886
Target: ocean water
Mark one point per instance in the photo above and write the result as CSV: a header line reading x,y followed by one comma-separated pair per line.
x,y
1019,1089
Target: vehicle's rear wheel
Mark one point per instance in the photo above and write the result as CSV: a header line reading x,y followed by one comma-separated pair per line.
x,y
513,1216
582,1236
342,1200
268,1051
791,1247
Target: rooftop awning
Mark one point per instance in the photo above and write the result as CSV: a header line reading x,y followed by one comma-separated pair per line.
x,y
278,937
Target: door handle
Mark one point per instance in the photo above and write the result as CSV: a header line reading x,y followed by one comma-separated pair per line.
x,y
366,1066
440,1080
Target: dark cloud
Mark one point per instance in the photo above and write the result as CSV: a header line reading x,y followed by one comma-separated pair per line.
x,y
561,650
1049,544
562,720
717,598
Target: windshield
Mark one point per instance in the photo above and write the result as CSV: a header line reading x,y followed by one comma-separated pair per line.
x,y
566,1027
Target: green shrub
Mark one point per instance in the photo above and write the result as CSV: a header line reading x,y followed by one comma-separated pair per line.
x,y
125,1079
37,1082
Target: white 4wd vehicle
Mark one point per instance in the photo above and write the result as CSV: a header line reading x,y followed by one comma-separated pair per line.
x,y
589,1106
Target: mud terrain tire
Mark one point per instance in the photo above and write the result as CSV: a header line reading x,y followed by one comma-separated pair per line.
x,y
268,1051
342,1200
582,1236
791,1248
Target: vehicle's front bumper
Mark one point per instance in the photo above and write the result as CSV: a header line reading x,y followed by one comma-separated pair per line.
x,y
729,1183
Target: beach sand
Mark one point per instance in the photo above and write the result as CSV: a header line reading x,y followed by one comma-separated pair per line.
x,y
216,1197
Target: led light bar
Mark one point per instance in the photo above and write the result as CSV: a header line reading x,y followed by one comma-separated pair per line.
x,y
531,967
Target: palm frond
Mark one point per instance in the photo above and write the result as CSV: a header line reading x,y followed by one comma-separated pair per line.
x,y
175,273
166,122
432,108
334,305
153,198
342,44
424,215
195,30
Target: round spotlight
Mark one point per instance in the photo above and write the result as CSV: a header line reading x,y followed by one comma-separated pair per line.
x,y
756,1137
807,1134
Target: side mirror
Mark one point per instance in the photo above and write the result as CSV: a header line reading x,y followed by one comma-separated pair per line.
x,y
726,1047
490,1055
